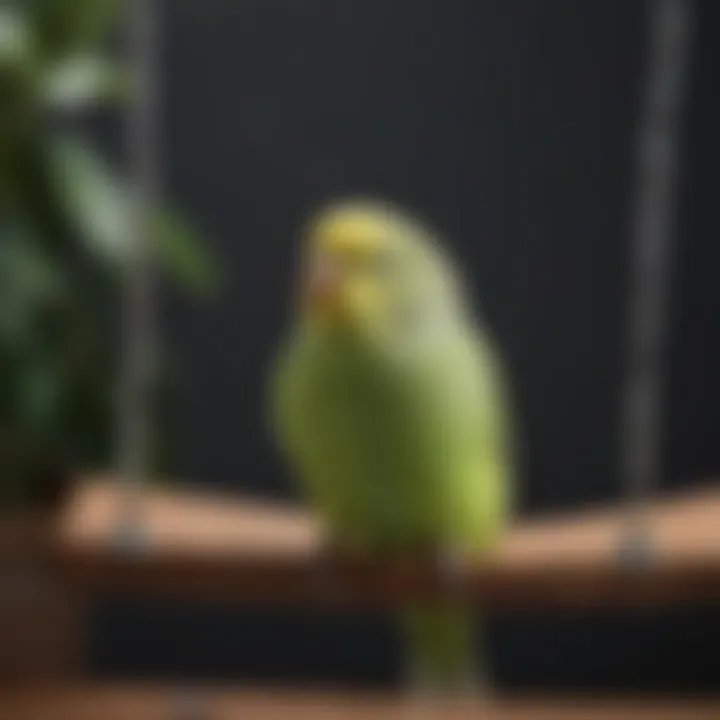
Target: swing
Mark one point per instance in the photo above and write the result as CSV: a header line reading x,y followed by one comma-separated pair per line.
x,y
118,535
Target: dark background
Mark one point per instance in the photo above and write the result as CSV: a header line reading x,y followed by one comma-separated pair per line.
x,y
510,124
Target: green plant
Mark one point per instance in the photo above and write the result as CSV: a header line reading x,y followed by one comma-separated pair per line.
x,y
63,243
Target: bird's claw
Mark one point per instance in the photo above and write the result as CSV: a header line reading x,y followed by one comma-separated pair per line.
x,y
451,566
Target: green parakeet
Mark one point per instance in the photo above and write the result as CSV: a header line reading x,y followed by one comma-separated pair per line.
x,y
389,402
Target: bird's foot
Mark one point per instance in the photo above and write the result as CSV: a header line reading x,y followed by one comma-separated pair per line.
x,y
451,565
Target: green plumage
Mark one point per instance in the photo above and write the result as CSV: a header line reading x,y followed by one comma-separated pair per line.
x,y
397,428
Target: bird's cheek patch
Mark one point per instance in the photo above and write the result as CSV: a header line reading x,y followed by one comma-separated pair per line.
x,y
324,274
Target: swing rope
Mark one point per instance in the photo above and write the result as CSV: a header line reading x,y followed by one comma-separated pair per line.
x,y
652,227
138,311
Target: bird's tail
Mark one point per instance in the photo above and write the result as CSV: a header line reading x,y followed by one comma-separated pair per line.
x,y
441,645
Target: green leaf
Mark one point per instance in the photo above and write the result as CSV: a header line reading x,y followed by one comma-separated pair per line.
x,y
31,193
93,199
29,282
17,76
98,203
82,81
66,27
41,388
181,252
14,36
28,271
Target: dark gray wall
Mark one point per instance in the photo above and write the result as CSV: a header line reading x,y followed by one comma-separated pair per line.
x,y
509,123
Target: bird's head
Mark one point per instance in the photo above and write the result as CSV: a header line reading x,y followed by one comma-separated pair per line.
x,y
369,266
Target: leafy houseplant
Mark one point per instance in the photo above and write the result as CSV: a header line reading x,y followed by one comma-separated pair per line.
x,y
63,245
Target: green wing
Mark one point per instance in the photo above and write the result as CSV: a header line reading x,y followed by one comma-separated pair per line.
x,y
397,452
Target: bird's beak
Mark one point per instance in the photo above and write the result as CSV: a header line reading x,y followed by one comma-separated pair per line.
x,y
324,286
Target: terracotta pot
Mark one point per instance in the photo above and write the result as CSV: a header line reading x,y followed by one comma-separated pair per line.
x,y
50,489
40,618
43,491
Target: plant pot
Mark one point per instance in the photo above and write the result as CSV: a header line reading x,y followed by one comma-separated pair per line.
x,y
40,617
50,489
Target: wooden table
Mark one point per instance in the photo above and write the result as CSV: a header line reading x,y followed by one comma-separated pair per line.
x,y
148,703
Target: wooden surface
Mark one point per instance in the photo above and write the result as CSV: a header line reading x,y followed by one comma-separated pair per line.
x,y
40,617
154,704
212,546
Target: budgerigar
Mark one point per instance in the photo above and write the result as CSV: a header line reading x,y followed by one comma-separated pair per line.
x,y
389,402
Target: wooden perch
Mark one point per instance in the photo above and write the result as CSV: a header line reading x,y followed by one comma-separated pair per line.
x,y
147,703
201,545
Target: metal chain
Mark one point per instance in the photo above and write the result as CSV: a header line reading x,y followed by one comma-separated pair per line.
x,y
138,331
139,308
656,184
